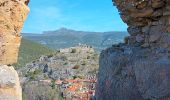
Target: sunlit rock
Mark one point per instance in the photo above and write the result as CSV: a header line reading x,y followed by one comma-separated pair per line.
x,y
9,84
12,16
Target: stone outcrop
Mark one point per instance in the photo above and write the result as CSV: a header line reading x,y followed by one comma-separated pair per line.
x,y
12,16
9,84
138,69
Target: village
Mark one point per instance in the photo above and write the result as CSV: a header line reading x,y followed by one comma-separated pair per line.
x,y
70,73
78,48
75,89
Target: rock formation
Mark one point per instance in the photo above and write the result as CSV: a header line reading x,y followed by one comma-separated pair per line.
x,y
12,16
9,84
138,69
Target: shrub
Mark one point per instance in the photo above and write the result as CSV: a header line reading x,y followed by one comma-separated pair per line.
x,y
45,76
88,57
53,84
32,75
66,63
84,63
74,77
37,71
76,67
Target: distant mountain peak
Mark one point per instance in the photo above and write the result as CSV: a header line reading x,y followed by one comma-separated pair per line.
x,y
63,29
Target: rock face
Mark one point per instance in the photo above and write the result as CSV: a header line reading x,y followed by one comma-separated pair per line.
x,y
12,16
139,69
9,84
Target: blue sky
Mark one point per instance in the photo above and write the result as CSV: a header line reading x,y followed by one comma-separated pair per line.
x,y
86,15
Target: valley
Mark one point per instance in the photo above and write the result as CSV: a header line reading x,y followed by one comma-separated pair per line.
x,y
66,73
62,64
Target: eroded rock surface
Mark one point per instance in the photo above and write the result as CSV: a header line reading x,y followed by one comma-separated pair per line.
x,y
9,84
12,16
139,69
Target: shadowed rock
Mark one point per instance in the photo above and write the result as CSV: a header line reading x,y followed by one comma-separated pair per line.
x,y
139,69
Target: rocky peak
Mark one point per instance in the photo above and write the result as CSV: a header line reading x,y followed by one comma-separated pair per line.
x,y
63,29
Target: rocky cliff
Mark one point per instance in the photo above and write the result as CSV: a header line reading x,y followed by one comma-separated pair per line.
x,y
12,16
138,69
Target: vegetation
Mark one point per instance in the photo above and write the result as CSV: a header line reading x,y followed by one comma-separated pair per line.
x,y
32,75
66,63
76,67
77,64
30,51
53,84
33,91
84,63
88,57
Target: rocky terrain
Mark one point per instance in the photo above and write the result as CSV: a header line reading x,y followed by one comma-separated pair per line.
x,y
12,16
138,69
69,63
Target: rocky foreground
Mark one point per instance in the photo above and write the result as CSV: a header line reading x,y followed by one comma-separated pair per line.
x,y
12,16
138,69
9,84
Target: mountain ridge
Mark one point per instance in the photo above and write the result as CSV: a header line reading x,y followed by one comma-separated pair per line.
x,y
64,38
63,29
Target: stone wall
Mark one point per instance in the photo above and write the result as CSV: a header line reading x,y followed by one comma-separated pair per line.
x,y
148,21
138,69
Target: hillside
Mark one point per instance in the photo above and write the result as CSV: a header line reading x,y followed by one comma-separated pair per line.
x,y
30,51
65,38
67,67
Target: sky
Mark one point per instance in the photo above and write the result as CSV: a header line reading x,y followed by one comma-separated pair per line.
x,y
84,15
